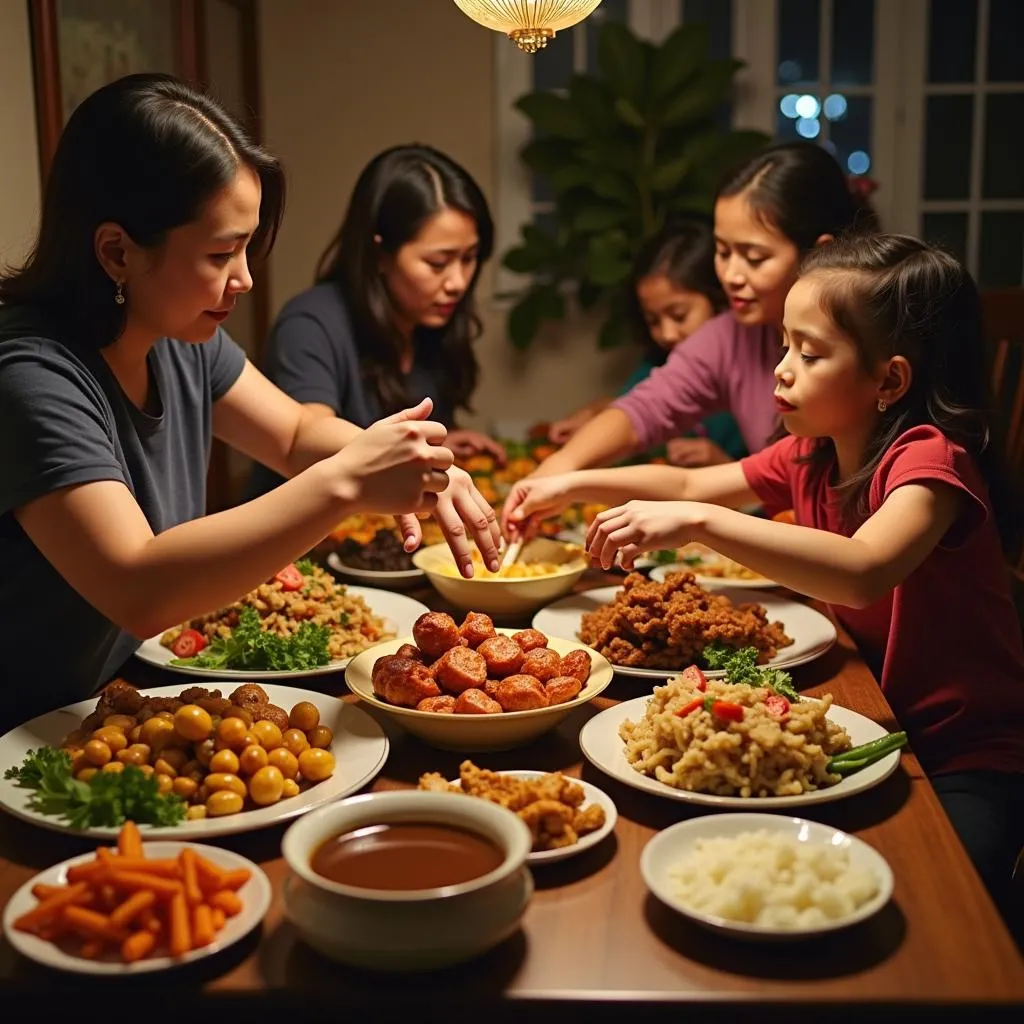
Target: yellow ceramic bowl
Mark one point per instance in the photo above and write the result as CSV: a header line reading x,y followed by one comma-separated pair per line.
x,y
476,733
505,595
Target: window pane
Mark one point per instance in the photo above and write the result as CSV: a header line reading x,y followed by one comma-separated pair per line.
x,y
947,147
1005,33
853,42
948,230
1004,164
799,34
1002,250
951,35
852,136
718,18
608,10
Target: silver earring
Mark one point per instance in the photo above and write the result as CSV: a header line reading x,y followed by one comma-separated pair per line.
x,y
882,405
119,294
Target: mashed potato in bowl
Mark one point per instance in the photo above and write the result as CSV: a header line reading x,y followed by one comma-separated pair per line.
x,y
520,570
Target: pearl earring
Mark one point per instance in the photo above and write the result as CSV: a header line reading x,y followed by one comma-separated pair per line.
x,y
119,294
882,405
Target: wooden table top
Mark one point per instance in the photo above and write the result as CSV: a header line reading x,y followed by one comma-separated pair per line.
x,y
592,932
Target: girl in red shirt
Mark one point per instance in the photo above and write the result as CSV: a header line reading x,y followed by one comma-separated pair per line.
x,y
893,473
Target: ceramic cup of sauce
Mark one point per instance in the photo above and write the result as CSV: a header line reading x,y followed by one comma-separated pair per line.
x,y
406,879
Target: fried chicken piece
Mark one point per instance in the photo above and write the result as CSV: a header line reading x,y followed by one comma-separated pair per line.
x,y
476,702
562,689
460,669
530,639
404,682
194,694
542,663
445,704
551,824
589,819
521,693
503,655
435,782
476,628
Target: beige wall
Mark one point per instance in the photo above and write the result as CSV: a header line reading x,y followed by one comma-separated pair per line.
x,y
343,79
19,156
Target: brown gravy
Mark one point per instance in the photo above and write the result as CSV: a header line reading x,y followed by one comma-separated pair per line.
x,y
405,856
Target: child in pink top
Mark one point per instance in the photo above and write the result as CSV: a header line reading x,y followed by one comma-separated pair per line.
x,y
900,501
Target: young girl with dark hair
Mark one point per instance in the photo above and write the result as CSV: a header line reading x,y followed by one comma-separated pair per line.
x,y
115,376
671,292
895,474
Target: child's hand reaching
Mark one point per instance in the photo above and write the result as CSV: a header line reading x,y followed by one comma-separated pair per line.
x,y
634,528
531,500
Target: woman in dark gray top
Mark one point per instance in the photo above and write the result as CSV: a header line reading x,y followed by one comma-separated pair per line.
x,y
114,378
391,318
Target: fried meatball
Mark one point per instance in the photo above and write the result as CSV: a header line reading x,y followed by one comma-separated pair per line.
x,y
562,689
270,713
577,663
476,702
404,682
543,663
217,706
476,628
530,639
521,693
249,695
435,633
409,651
503,655
194,694
460,669
445,704
491,687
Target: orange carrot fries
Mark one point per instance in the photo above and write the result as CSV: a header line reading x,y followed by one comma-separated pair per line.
x,y
124,901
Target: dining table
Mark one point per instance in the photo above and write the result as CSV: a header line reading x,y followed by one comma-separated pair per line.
x,y
593,939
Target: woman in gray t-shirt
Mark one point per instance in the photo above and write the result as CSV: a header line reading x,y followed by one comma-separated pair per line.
x,y
391,318
114,378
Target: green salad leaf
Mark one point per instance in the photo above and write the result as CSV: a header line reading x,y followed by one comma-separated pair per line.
x,y
740,666
251,648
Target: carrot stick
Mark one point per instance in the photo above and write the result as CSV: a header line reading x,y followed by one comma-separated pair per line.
x,y
42,891
90,871
190,876
227,901
132,907
234,880
92,949
129,840
219,918
108,897
210,876
163,887
43,912
202,926
137,946
92,925
166,867
181,939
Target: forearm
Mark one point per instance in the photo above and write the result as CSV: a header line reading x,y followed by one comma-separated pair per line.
x,y
318,437
608,437
823,565
616,486
209,562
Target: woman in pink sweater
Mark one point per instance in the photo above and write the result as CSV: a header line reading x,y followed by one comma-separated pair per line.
x,y
768,215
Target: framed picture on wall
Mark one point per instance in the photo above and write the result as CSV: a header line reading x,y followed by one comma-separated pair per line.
x,y
80,45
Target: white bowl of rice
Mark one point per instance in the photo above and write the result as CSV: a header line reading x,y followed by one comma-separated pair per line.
x,y
764,876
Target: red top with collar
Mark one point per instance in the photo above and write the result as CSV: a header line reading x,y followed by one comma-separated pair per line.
x,y
945,642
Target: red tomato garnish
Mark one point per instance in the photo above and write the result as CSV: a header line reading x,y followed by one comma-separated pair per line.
x,y
190,643
290,578
777,705
695,678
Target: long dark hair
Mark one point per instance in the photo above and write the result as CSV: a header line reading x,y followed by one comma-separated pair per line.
x,y
144,152
798,188
396,194
684,252
896,295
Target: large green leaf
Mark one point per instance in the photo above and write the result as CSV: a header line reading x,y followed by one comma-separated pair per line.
x,y
710,88
599,218
668,176
607,261
726,153
628,114
547,155
620,56
570,176
593,102
552,114
610,185
543,302
678,59
588,294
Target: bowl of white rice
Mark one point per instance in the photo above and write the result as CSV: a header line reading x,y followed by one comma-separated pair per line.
x,y
765,876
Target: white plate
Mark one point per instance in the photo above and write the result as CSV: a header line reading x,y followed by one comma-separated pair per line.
x,y
602,747
661,570
592,795
812,633
661,855
398,612
255,896
360,749
402,579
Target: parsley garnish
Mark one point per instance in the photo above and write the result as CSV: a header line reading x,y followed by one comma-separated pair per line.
x,y
741,666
